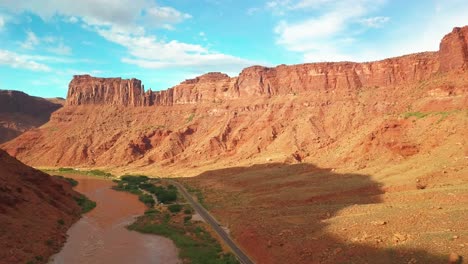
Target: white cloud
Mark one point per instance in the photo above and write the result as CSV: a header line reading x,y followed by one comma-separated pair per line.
x,y
325,37
164,17
31,42
49,43
60,49
375,22
2,22
251,11
16,60
149,52
124,22
123,13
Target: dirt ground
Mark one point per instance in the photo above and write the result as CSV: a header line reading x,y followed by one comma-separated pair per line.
x,y
300,213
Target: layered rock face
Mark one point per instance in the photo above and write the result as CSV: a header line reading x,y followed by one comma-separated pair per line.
x,y
84,89
20,112
454,50
31,205
337,78
348,113
257,81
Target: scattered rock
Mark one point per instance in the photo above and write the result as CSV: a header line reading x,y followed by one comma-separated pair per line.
x,y
454,258
399,238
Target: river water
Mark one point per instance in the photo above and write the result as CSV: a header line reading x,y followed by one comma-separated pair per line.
x,y
100,236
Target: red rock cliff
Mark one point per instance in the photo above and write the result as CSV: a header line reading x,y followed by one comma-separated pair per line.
x,y
84,89
453,50
336,78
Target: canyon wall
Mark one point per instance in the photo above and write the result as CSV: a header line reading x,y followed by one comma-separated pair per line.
x,y
330,114
339,78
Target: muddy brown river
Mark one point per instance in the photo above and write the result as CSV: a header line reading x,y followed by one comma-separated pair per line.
x,y
100,236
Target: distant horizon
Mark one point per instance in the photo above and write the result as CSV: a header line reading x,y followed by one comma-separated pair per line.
x,y
166,42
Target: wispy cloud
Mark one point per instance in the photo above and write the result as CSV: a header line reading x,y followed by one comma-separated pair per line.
x,y
31,42
2,22
375,22
149,52
21,61
128,23
322,37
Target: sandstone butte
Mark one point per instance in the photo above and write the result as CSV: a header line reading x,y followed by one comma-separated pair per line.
x,y
400,122
35,212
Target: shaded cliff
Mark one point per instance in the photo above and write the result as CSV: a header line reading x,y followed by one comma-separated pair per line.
x,y
35,212
20,112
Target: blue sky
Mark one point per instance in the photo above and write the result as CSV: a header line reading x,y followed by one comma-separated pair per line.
x,y
43,43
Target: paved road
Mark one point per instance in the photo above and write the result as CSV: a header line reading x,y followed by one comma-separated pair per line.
x,y
241,256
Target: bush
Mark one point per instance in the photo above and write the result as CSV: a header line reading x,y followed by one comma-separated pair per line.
x,y
72,182
188,211
66,169
152,212
147,199
85,204
60,222
167,196
174,208
187,218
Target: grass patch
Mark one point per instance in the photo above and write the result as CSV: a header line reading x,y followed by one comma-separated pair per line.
x,y
72,182
198,193
418,115
195,244
96,173
174,208
85,203
190,118
136,184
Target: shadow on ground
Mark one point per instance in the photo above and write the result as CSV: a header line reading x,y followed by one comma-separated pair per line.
x,y
281,213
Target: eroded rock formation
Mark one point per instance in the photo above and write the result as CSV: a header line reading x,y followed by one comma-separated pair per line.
x,y
331,114
339,78
20,112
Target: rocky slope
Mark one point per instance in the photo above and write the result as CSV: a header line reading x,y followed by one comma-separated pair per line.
x,y
35,212
20,112
398,124
331,114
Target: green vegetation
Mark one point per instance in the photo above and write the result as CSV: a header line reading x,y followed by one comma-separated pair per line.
x,y
85,204
188,211
72,182
187,218
136,184
198,193
419,115
147,199
175,208
190,118
97,173
196,245
60,222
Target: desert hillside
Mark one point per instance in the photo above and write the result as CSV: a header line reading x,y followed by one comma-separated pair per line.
x,y
310,163
347,115
35,212
20,112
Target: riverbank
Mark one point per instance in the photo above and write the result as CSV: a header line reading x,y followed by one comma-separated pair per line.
x,y
173,219
101,235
